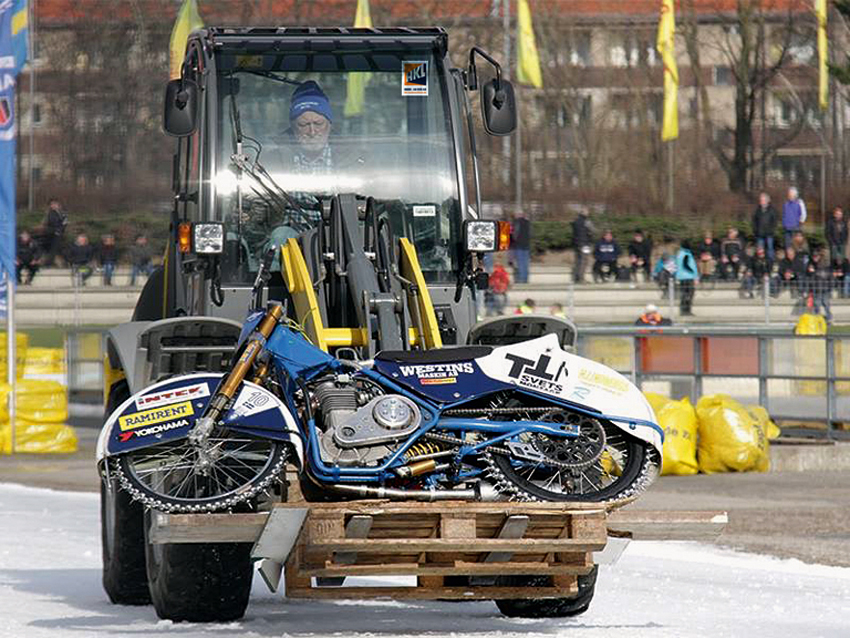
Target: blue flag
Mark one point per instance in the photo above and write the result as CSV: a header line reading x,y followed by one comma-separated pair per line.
x,y
13,56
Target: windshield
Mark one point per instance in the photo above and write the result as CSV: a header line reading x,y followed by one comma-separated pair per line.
x,y
315,125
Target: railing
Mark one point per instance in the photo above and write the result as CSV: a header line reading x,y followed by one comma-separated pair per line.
x,y
803,381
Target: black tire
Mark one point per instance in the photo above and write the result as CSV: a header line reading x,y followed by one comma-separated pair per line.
x,y
547,607
122,533
199,582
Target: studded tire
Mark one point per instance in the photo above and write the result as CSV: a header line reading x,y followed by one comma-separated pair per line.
x,y
199,582
122,533
547,607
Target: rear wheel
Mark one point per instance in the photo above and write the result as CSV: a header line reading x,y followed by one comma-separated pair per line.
x,y
122,532
199,582
547,607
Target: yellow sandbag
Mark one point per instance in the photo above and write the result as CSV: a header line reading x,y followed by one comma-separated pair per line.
x,y
39,438
760,416
809,324
43,361
730,440
679,420
21,343
656,401
37,401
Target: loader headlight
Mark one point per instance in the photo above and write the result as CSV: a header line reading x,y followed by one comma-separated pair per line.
x,y
482,236
208,238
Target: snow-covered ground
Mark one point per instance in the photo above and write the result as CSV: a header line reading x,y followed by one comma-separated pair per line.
x,y
50,586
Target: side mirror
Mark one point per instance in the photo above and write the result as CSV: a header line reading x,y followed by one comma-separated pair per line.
x,y
498,107
180,117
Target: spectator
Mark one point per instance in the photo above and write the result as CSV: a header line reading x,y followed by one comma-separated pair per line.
x,y
140,258
836,234
664,270
582,240
801,246
55,223
708,255
27,257
108,257
521,246
640,255
79,257
557,310
605,256
528,307
497,296
818,284
840,280
652,317
764,224
686,275
786,275
793,214
758,271
732,254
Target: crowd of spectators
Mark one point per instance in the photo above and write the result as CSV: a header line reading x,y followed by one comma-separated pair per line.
x,y
44,245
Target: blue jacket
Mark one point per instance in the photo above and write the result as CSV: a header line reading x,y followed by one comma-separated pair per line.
x,y
686,265
792,213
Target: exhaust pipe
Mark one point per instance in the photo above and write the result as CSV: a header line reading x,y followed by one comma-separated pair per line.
x,y
481,492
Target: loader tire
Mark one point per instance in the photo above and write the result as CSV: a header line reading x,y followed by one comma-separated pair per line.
x,y
199,582
547,607
122,532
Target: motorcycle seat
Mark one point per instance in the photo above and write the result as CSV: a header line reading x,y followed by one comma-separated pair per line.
x,y
440,355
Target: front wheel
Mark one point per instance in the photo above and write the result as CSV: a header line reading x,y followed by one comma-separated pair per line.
x,y
547,607
199,582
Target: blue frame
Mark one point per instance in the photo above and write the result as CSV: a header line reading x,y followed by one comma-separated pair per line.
x,y
296,358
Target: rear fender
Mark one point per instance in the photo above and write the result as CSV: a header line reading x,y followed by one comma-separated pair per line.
x,y
541,366
167,410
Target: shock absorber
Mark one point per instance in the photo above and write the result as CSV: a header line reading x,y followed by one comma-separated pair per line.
x,y
227,389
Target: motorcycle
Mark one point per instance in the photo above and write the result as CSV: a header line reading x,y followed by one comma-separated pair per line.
x,y
528,421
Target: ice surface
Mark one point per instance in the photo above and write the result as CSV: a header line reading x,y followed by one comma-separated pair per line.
x,y
50,587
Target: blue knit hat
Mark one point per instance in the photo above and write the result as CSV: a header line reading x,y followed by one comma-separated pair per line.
x,y
310,97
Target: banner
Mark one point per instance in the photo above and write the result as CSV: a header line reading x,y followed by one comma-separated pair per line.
x,y
666,46
823,55
13,55
528,62
355,95
187,21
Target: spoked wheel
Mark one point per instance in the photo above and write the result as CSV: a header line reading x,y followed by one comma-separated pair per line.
x,y
177,477
603,463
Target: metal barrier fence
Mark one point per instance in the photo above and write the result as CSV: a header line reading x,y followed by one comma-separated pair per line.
x,y
800,380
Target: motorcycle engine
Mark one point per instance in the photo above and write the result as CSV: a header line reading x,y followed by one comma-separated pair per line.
x,y
358,428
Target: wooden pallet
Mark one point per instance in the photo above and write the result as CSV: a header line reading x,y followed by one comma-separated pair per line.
x,y
438,541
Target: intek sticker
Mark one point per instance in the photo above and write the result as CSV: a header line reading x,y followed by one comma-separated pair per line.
x,y
156,415
414,78
172,396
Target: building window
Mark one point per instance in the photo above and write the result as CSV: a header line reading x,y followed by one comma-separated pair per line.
x,y
575,112
36,173
723,76
633,49
801,47
36,113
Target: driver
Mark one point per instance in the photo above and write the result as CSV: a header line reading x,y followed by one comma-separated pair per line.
x,y
310,119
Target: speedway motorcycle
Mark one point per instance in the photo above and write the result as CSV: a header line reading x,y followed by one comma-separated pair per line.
x,y
527,421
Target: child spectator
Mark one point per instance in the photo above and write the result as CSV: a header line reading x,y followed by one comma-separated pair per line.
x,y
497,296
758,271
708,255
79,257
28,257
528,307
140,258
108,256
605,256
732,254
640,251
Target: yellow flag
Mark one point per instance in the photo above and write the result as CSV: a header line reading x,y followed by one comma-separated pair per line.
x,y
187,21
528,62
356,91
666,46
823,79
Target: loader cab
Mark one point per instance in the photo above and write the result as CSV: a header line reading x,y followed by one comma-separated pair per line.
x,y
387,121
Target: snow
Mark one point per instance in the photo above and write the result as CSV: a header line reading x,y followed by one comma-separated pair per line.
x,y
50,587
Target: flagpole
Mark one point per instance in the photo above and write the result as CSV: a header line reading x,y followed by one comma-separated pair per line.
x,y
671,147
518,153
31,56
506,141
11,354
